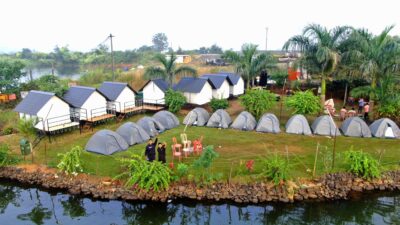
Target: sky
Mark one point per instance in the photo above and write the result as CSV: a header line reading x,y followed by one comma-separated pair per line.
x,y
83,24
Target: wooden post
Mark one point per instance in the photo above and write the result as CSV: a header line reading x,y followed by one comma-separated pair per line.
x,y
230,175
30,144
315,160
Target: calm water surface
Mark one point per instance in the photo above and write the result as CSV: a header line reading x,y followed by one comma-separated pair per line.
x,y
27,205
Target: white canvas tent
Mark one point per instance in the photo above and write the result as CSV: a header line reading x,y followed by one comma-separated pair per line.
x,y
219,119
106,142
244,121
167,119
268,123
152,126
132,133
298,124
385,128
355,127
324,125
197,117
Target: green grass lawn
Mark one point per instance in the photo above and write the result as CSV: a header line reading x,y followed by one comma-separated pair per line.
x,y
233,146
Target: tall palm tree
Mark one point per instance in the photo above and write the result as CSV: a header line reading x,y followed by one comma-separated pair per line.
x,y
379,56
249,63
169,70
320,48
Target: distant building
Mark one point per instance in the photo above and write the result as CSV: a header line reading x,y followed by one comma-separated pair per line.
x,y
182,59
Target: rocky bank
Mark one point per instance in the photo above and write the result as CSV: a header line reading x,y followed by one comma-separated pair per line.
x,y
328,187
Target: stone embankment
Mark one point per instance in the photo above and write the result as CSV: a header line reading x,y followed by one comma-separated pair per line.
x,y
328,187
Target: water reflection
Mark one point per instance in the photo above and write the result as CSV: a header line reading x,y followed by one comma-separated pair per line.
x,y
20,205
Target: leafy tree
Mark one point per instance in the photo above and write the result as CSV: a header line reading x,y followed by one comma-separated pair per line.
x,y
218,104
215,49
160,42
377,58
169,70
174,100
52,83
26,128
249,63
257,102
320,48
304,102
10,73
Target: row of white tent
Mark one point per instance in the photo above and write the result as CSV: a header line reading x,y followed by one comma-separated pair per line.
x,y
297,124
107,142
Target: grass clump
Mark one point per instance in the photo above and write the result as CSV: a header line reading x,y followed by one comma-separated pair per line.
x,y
275,168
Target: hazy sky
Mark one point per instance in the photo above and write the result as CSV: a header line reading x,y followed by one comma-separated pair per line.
x,y
83,24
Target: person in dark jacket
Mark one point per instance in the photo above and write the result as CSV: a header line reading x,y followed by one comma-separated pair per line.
x,y
150,152
161,152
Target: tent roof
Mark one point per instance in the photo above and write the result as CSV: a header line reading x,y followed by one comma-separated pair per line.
x,y
355,121
113,89
33,102
217,79
77,95
160,83
378,127
191,84
106,142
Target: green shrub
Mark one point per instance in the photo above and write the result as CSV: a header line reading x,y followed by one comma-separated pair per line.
x,y
279,77
203,164
362,164
70,162
275,168
258,102
7,131
146,175
304,102
218,104
26,128
174,100
5,156
390,109
182,170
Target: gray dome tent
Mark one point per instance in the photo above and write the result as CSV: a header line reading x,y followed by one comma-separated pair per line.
x,y
152,126
220,119
106,142
268,123
245,121
385,128
324,125
298,124
133,133
167,119
355,127
197,117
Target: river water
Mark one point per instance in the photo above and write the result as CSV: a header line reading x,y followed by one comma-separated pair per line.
x,y
29,205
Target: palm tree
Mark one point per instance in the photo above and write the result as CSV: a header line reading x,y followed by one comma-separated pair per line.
x,y
320,48
248,63
378,56
170,69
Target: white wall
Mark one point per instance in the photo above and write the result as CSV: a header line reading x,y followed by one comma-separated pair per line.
x,y
201,98
152,94
237,89
127,95
95,101
222,92
55,107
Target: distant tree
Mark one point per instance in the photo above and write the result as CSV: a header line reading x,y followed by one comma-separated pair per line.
x,y
170,70
52,83
145,48
26,53
249,63
10,72
203,50
215,49
160,42
179,51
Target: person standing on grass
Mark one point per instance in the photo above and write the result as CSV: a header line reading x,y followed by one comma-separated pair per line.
x,y
366,111
350,101
150,152
161,152
361,104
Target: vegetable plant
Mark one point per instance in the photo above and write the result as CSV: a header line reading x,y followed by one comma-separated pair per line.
x,y
71,162
258,102
174,100
275,168
304,102
362,164
218,104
